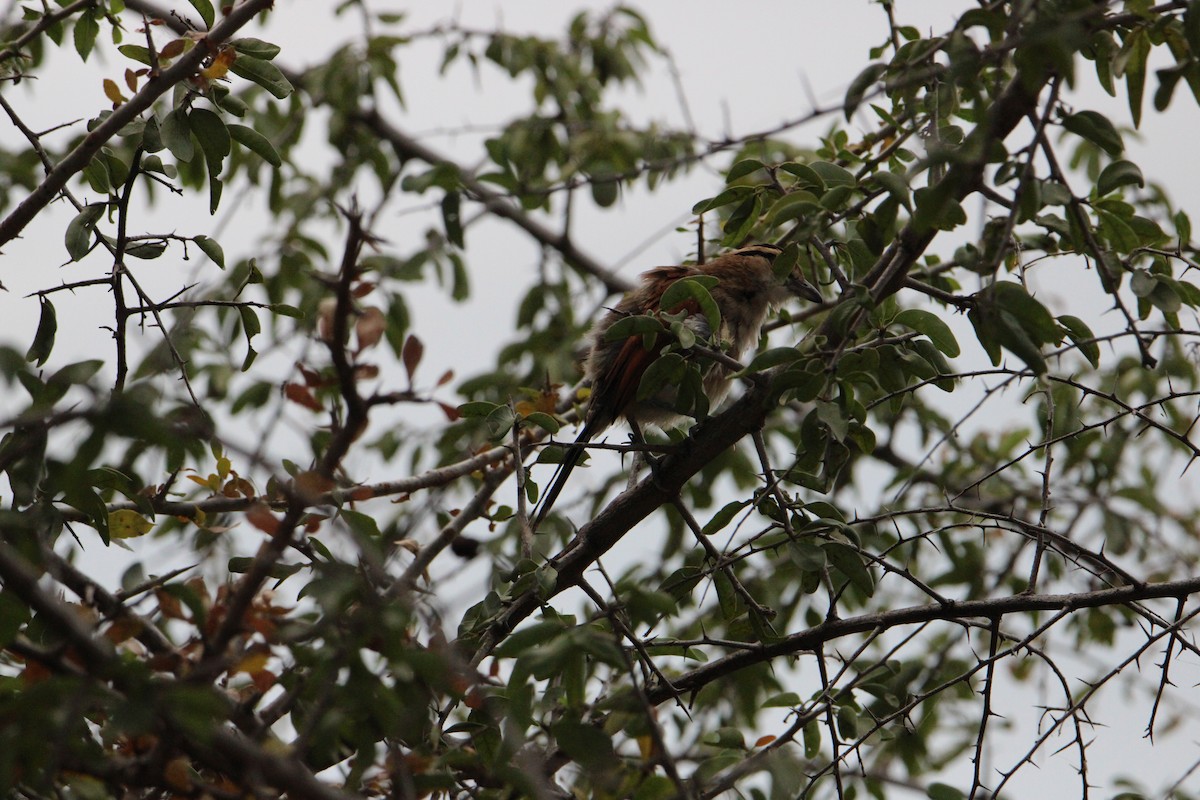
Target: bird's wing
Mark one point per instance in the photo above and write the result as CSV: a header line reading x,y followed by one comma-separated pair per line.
x,y
623,374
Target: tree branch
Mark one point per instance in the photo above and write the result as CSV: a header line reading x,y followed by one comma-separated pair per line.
x,y
158,85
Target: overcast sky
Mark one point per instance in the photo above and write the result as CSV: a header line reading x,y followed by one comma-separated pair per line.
x,y
742,67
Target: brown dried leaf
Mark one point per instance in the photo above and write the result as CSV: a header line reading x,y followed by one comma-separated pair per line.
x,y
174,48
259,515
411,354
326,310
369,329
302,396
311,484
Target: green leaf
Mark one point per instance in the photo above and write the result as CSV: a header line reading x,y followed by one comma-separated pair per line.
x,y
277,571
96,174
795,204
85,499
743,168
213,135
636,325
812,739
681,292
250,324
452,218
43,340
932,326
1031,314
1191,26
605,192
544,421
1097,129
79,231
136,52
895,185
944,791
77,373
833,175
86,30
1083,338
586,744
731,195
859,86
937,207
256,143
215,187
1118,174
1015,338
1142,283
285,310
212,249
847,720
256,48
205,10
499,421
664,371
784,700
846,560
176,134
723,517
264,73
146,250
773,358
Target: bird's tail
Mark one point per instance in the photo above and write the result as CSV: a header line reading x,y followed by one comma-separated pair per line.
x,y
569,461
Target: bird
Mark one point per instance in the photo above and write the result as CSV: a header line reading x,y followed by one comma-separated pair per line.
x,y
746,291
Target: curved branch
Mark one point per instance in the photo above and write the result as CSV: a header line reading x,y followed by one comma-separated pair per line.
x,y
992,608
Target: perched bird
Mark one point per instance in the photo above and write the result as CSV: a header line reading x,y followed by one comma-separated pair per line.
x,y
747,289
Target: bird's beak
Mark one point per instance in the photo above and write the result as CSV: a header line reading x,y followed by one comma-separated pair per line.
x,y
802,288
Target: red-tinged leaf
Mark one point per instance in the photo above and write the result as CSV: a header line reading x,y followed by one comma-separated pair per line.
x,y
411,355
131,80
260,516
366,372
362,289
302,396
174,49
370,328
312,378
112,92
447,376
450,411
311,484
763,741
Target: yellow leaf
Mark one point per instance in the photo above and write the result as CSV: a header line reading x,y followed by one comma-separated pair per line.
x,y
646,746
112,92
252,662
128,524
220,65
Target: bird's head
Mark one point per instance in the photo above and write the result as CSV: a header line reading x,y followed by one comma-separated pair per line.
x,y
796,283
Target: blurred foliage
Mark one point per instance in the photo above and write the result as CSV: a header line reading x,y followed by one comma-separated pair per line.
x,y
838,612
